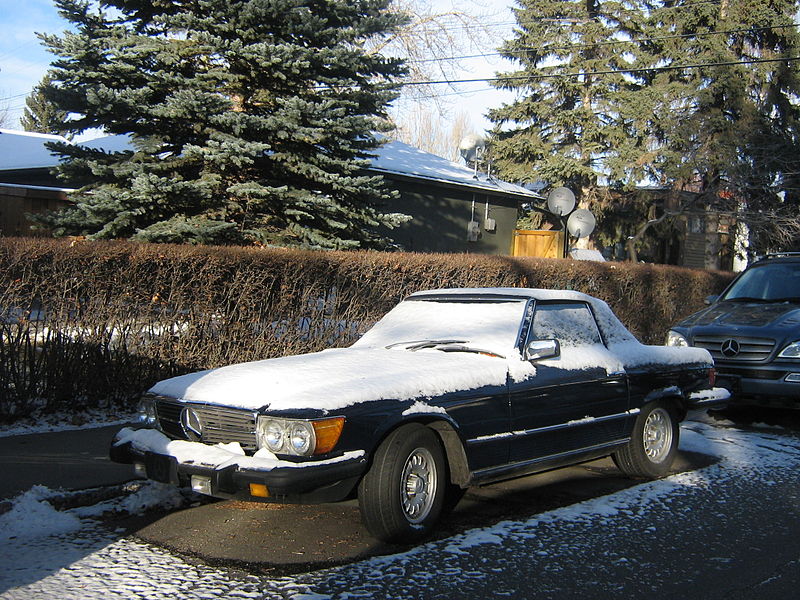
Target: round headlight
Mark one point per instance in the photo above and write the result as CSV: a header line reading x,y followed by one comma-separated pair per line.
x,y
273,435
301,438
147,411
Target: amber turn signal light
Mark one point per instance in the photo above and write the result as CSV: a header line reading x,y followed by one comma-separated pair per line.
x,y
259,490
327,432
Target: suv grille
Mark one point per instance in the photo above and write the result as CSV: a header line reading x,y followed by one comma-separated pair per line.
x,y
750,349
219,425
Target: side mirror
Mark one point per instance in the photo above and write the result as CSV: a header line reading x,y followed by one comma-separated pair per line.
x,y
541,349
711,299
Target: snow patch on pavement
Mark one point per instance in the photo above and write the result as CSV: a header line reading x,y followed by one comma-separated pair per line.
x,y
31,516
47,423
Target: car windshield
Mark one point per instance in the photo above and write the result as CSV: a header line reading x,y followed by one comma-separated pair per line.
x,y
419,324
772,282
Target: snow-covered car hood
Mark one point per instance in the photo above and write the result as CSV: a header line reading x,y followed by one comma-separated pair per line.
x,y
752,314
332,379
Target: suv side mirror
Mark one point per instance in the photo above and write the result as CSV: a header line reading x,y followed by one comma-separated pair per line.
x,y
711,299
541,349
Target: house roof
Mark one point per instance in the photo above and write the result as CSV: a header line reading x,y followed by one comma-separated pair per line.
x,y
399,158
25,150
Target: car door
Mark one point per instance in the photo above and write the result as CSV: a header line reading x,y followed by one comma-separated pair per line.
x,y
576,401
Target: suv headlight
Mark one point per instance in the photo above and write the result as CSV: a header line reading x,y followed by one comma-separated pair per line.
x,y
791,351
676,339
147,411
298,437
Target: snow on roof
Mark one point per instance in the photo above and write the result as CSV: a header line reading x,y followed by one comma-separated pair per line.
x,y
110,143
402,159
45,188
26,150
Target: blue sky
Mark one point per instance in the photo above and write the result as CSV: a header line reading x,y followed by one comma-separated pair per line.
x,y
23,60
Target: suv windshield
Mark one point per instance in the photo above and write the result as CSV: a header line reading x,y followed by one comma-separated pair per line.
x,y
771,282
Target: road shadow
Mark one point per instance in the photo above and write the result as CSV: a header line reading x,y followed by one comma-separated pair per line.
x,y
278,540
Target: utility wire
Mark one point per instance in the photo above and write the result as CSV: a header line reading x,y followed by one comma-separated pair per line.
x,y
605,72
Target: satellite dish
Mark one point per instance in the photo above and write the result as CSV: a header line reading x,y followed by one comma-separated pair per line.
x,y
561,201
471,147
581,223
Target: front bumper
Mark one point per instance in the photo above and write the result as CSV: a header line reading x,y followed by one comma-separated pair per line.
x,y
226,472
765,385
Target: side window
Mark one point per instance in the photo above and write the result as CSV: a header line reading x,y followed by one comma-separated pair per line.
x,y
572,324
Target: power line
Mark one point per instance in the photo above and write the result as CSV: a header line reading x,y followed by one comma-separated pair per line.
x,y
14,97
606,72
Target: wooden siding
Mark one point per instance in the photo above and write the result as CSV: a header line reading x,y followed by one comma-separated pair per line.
x,y
15,202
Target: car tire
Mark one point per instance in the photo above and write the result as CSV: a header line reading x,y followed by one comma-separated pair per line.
x,y
402,494
651,450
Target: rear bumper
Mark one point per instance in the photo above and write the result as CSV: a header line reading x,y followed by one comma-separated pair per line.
x,y
717,397
226,473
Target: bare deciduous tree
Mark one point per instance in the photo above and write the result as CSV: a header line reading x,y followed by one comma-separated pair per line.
x,y
437,43
423,127
5,114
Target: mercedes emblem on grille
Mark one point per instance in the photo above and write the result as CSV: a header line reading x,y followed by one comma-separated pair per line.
x,y
730,348
191,424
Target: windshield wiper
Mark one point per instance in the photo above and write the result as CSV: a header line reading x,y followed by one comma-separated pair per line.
x,y
414,345
745,299
472,350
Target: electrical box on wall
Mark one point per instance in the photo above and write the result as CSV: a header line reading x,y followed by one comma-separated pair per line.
x,y
473,231
490,224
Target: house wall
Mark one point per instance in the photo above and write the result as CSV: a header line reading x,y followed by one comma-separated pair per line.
x,y
15,202
440,216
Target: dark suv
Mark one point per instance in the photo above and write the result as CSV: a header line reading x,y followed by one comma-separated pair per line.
x,y
753,332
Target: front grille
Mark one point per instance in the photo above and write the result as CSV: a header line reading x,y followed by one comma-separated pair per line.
x,y
750,349
220,425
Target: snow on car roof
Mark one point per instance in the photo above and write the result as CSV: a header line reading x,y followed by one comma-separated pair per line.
x,y
625,347
535,293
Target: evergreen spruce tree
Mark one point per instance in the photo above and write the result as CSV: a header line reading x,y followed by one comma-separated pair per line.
x,y
249,120
40,114
693,95
734,123
566,117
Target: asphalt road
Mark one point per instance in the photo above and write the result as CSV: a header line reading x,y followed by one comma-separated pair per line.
x,y
729,530
65,459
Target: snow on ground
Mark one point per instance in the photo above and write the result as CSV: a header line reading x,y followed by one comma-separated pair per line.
x,y
647,539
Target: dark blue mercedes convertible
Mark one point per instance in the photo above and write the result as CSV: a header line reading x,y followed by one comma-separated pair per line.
x,y
451,389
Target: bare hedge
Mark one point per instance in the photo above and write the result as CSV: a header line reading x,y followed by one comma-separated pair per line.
x,y
94,324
